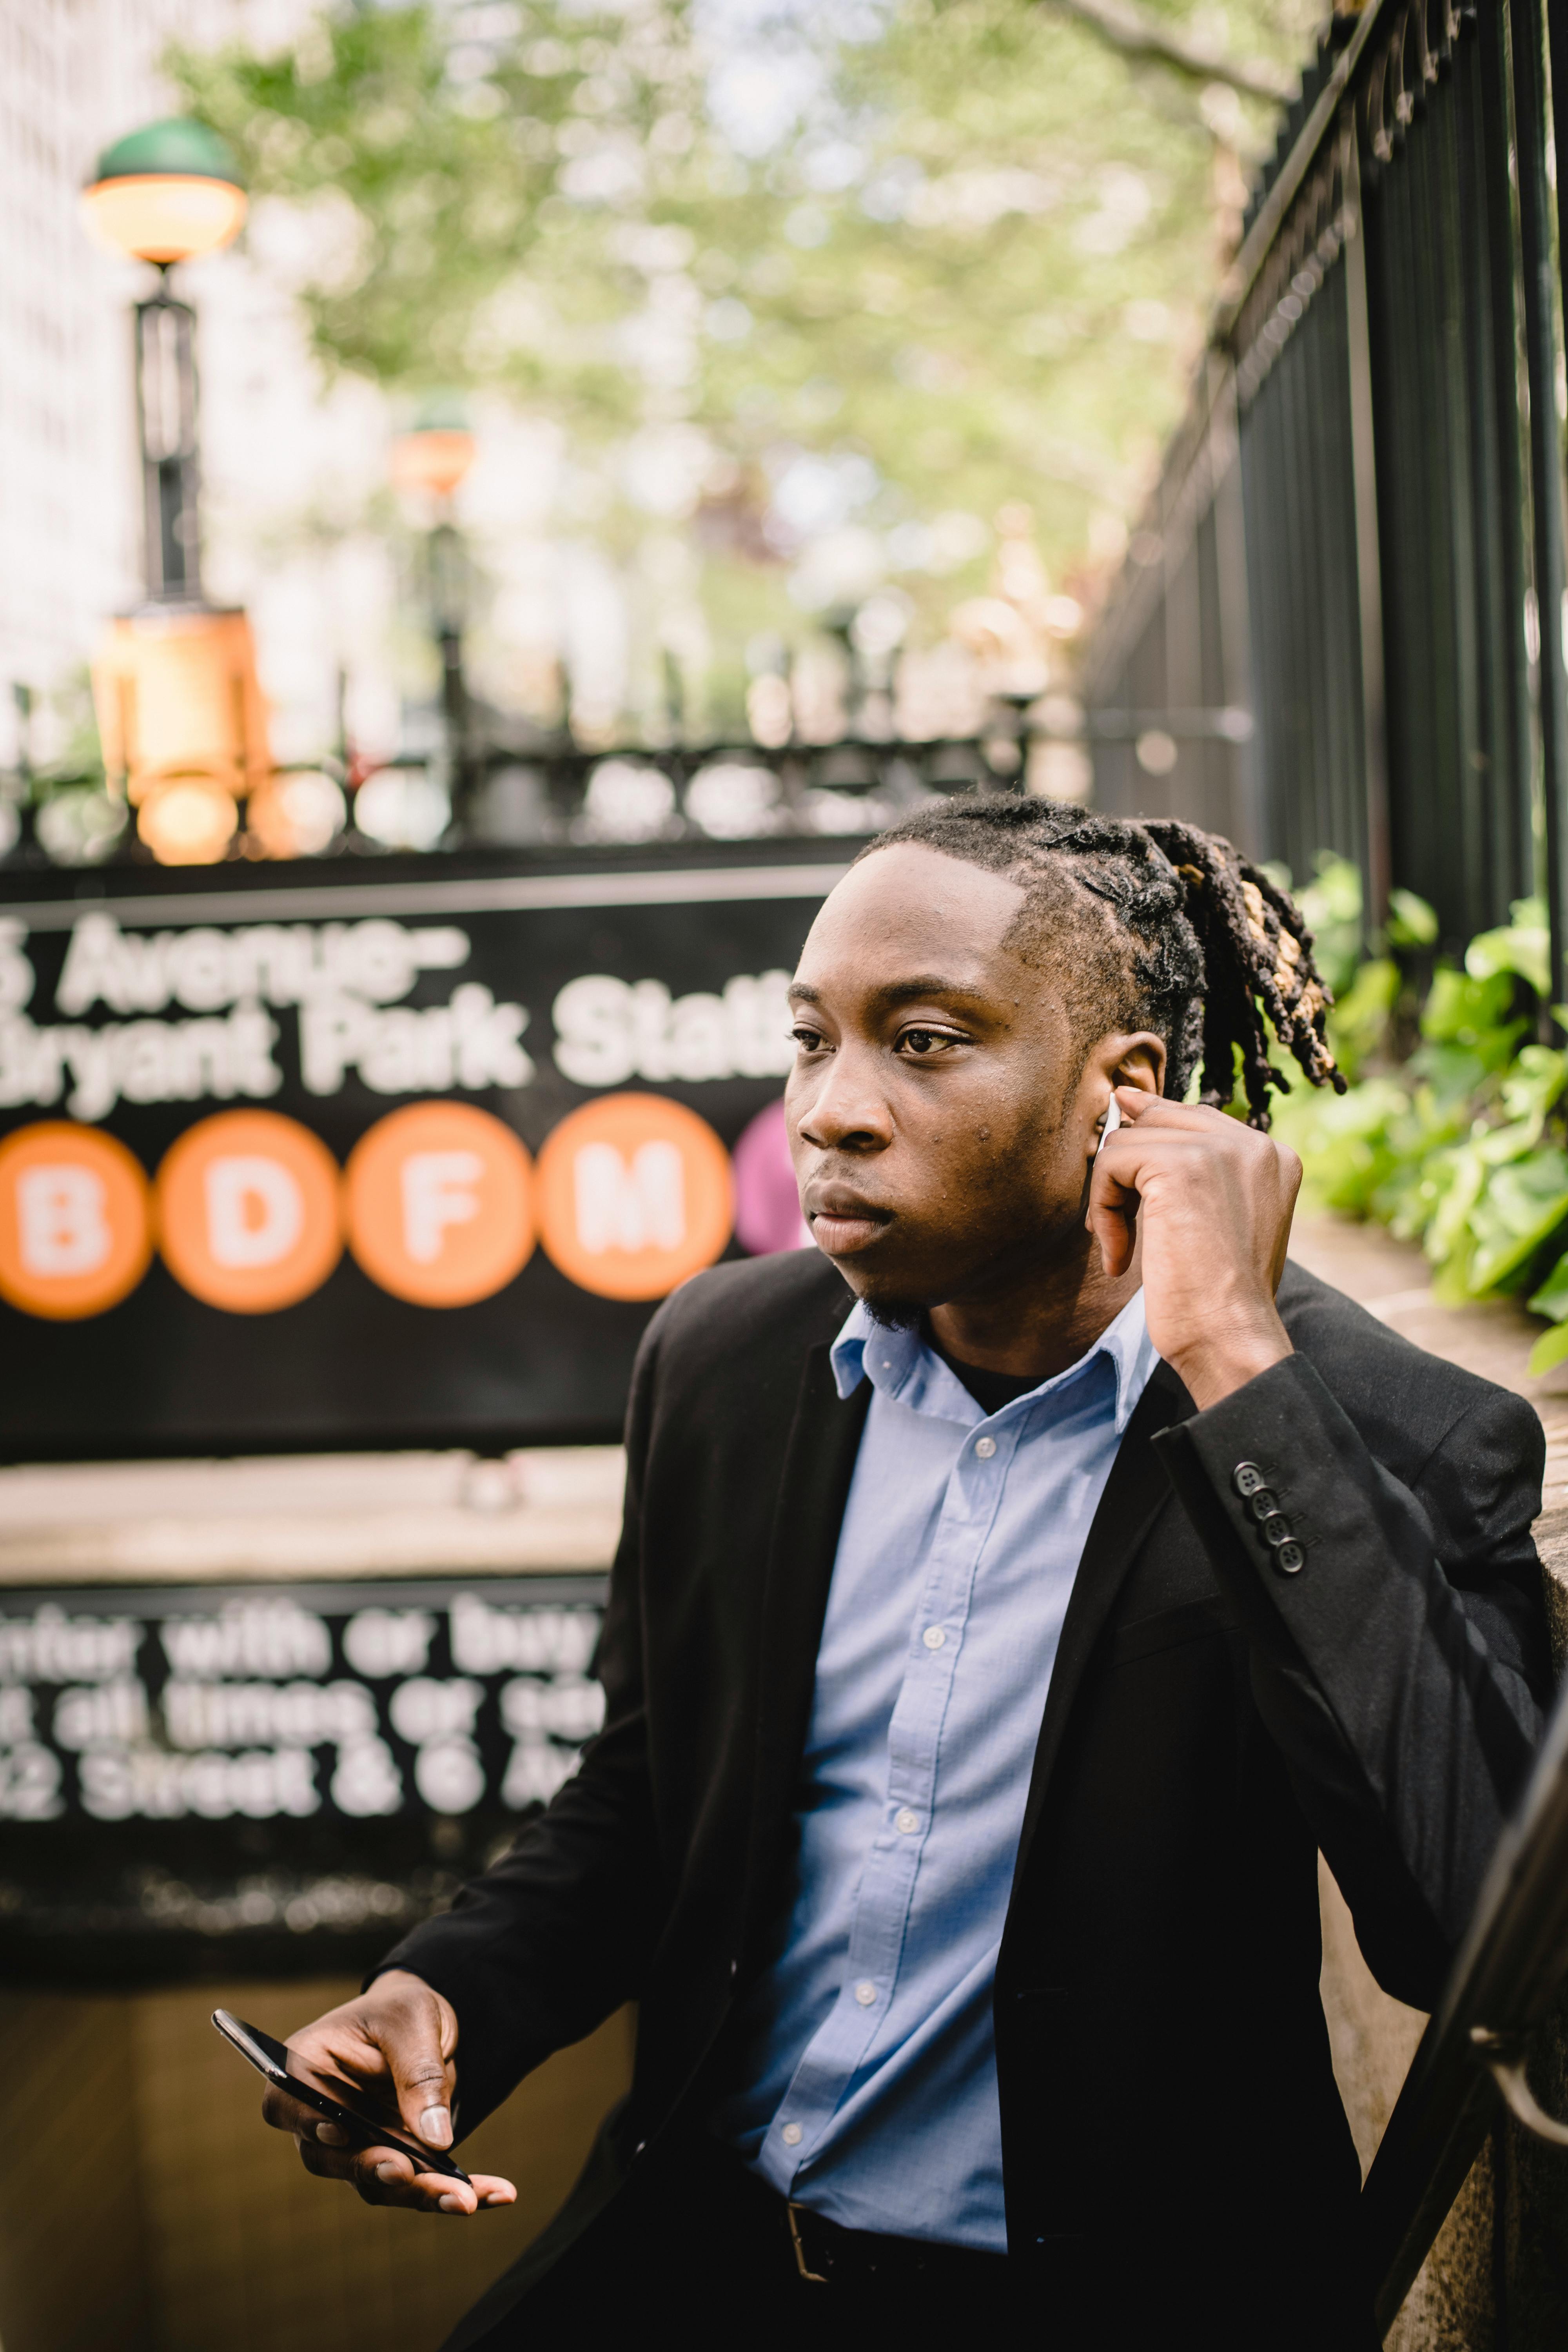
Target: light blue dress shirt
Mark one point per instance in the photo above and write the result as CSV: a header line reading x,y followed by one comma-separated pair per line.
x,y
869,2061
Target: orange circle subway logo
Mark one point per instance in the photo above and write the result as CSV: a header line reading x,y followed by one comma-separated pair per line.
x,y
75,1224
634,1194
248,1214
440,1204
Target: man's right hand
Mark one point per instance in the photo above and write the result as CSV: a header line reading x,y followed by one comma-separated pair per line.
x,y
394,2045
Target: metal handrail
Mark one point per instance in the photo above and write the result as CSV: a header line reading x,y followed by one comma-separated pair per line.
x,y
1509,1969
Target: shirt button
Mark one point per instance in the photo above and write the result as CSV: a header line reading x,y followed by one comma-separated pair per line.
x,y
908,1822
865,1992
986,1447
791,2134
933,1637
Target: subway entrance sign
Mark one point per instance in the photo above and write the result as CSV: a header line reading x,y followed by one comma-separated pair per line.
x,y
273,1779
375,1155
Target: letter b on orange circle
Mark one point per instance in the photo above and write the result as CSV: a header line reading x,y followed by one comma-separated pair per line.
x,y
248,1216
76,1232
440,1204
634,1194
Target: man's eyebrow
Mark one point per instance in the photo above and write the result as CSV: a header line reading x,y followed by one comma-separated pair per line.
x,y
899,991
926,983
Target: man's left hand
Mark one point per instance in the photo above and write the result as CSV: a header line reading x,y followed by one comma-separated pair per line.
x,y
1214,1200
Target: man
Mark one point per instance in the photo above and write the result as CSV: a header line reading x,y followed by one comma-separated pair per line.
x,y
1014,1597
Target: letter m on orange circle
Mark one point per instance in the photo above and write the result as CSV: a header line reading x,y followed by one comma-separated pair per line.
x,y
634,1194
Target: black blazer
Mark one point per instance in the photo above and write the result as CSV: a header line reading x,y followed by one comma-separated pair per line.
x,y
1174,2141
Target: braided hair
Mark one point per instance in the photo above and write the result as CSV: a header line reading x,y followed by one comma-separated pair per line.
x,y
1215,944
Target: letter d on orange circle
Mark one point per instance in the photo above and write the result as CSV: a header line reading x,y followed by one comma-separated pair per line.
x,y
248,1214
76,1231
440,1204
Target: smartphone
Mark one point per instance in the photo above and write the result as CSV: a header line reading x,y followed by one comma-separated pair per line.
x,y
285,2070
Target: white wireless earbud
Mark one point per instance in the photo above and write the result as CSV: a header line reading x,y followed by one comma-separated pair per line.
x,y
1112,1121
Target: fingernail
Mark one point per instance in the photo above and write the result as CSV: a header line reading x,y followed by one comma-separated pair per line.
x,y
332,2136
451,2204
388,2172
435,2128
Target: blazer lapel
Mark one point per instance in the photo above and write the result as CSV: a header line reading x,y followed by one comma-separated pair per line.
x,y
819,1463
1135,1493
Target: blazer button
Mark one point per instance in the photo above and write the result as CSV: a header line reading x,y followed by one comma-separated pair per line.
x,y
1289,1558
1263,1503
1275,1530
1247,1478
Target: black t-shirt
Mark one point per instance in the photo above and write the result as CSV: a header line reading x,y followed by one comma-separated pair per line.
x,y
991,1391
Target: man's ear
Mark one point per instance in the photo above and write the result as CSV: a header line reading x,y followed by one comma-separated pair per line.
x,y
1138,1061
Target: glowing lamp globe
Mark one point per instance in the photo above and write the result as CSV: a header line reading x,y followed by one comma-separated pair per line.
x,y
433,460
166,193
188,821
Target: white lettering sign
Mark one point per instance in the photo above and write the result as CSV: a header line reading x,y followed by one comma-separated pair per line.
x,y
61,1227
138,1061
50,1647
346,980
258,1715
438,1192
273,1638
118,1782
534,1771
635,1208
607,1031
487,1641
472,1042
96,1715
269,963
256,1211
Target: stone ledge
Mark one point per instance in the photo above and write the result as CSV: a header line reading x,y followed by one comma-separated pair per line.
x,y
308,1516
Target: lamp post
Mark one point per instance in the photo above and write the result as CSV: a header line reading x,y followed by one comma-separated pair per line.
x,y
164,195
430,462
180,711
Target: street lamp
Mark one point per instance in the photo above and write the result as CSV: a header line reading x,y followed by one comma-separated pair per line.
x,y
166,195
180,711
430,462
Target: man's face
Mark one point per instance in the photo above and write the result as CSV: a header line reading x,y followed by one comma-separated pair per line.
x,y
941,1121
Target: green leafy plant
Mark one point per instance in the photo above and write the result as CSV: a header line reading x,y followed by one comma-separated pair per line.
x,y
1459,1143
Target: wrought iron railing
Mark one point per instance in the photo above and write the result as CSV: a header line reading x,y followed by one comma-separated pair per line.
x,y
1357,538
560,795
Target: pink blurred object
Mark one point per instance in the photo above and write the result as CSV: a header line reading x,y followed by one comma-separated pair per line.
x,y
767,1205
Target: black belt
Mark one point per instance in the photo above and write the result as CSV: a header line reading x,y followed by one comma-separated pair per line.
x,y
828,2254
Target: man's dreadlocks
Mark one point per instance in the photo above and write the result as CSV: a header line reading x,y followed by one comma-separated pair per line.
x,y
1216,945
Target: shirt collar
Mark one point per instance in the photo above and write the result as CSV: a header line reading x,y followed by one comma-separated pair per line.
x,y
900,1362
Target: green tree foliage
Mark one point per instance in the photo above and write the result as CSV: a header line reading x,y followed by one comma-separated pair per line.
x,y
464,186
962,248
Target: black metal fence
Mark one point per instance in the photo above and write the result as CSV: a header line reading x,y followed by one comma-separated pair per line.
x,y
1357,540
557,796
